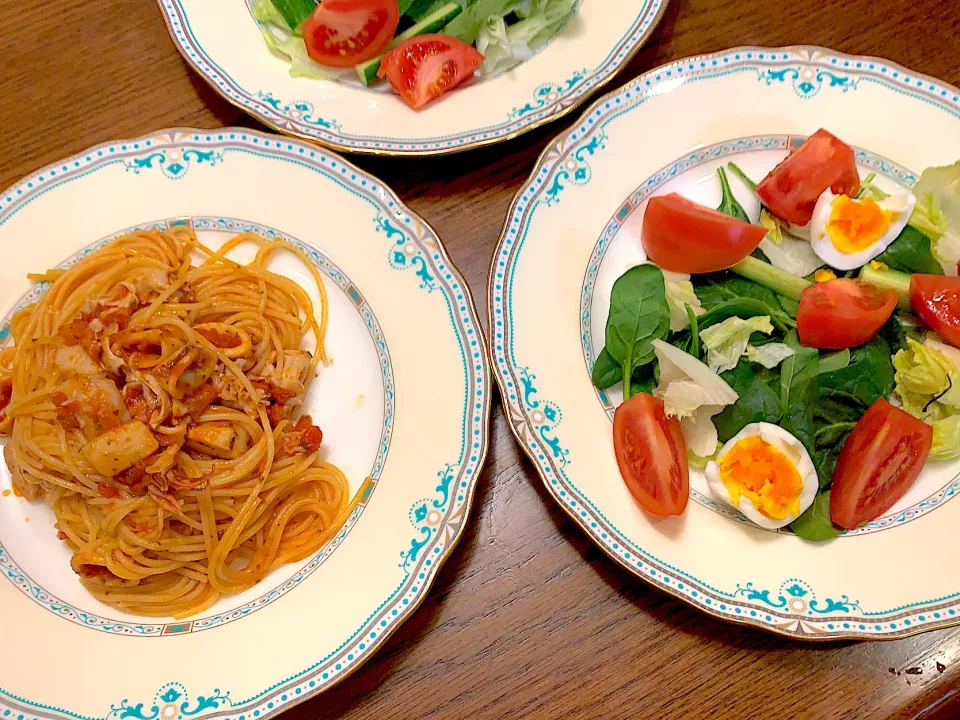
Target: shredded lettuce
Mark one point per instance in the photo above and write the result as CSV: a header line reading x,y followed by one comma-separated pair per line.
x,y
769,355
483,23
937,213
266,12
680,294
727,341
694,393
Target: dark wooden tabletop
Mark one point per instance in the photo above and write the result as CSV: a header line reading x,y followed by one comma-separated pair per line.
x,y
528,618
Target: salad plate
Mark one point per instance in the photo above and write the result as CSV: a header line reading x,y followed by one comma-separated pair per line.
x,y
407,428
579,226
224,43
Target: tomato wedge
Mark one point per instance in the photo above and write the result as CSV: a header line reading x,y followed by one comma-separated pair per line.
x,y
936,299
878,463
344,33
842,313
792,188
423,68
652,455
683,236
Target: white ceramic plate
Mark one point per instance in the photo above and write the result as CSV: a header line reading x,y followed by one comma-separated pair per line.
x,y
573,229
404,400
222,42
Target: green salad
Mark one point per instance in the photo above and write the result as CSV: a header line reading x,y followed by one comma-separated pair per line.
x,y
424,48
808,363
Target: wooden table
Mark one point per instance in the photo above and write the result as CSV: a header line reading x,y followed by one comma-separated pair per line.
x,y
528,618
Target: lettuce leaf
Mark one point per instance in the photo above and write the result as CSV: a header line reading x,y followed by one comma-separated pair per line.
x,y
484,23
266,12
694,393
680,293
946,438
725,342
937,214
927,381
769,355
791,254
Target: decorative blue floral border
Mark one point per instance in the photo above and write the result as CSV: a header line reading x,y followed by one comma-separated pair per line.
x,y
871,161
429,549
794,609
300,117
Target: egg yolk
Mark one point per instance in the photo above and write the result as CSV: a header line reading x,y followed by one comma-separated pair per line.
x,y
855,225
756,470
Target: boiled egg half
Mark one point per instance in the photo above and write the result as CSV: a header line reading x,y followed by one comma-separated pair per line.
x,y
848,232
765,473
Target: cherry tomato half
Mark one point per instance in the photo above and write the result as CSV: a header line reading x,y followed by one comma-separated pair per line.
x,y
424,67
878,463
683,236
344,33
652,455
792,188
936,299
842,313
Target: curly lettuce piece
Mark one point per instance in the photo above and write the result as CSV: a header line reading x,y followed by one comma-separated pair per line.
x,y
727,341
927,381
680,293
937,214
694,393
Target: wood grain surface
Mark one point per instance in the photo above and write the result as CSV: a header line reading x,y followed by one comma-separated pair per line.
x,y
528,618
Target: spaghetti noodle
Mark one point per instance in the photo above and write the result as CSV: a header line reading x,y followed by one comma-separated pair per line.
x,y
153,399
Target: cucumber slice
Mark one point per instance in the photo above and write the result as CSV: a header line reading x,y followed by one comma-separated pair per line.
x,y
432,23
420,10
295,11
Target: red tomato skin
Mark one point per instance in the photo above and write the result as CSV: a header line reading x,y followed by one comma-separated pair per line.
x,y
652,455
792,188
936,299
425,67
842,313
344,15
683,236
879,462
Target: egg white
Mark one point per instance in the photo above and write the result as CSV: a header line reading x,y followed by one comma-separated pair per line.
x,y
900,207
789,446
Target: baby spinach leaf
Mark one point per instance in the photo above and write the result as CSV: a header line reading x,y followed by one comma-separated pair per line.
x,y
834,361
868,377
815,524
740,297
644,379
757,402
797,373
607,372
790,306
911,253
639,314
728,203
